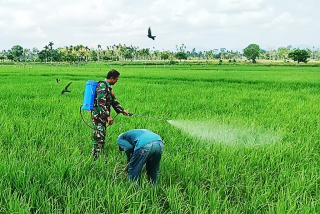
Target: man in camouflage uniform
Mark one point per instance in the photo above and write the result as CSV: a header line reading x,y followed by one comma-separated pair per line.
x,y
100,114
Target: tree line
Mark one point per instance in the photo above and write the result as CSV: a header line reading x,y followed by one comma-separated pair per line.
x,y
123,52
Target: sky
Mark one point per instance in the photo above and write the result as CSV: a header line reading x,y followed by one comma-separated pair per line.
x,y
200,24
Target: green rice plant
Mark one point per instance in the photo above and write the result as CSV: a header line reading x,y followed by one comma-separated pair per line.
x,y
240,139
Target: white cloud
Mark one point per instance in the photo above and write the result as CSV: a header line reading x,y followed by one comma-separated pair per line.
x,y
156,19
201,18
23,19
232,20
193,22
174,10
37,34
138,23
238,5
287,20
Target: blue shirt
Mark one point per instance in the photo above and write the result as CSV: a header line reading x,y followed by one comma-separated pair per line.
x,y
136,138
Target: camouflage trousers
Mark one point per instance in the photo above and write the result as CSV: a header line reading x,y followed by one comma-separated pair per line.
x,y
99,133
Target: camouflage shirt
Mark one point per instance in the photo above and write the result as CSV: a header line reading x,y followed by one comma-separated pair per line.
x,y
103,100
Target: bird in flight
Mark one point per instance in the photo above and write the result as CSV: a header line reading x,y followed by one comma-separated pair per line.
x,y
150,35
58,80
66,89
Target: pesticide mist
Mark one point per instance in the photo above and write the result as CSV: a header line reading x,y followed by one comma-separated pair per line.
x,y
222,133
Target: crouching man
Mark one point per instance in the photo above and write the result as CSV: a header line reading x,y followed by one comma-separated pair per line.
x,y
142,146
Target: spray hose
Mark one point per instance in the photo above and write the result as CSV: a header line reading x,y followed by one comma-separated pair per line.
x,y
88,124
129,114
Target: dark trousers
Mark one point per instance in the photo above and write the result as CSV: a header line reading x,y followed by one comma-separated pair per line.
x,y
149,154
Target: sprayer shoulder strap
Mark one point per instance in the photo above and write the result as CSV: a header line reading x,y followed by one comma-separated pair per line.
x,y
104,82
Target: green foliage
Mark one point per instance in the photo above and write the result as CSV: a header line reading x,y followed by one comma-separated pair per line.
x,y
42,55
172,62
105,57
299,55
17,52
252,52
10,57
128,53
94,55
46,166
56,55
182,48
7,63
164,56
123,53
181,55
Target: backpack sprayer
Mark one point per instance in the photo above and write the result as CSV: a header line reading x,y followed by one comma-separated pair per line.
x,y
88,101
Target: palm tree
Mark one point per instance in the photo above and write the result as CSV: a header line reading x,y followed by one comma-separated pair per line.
x,y
82,52
46,48
222,50
26,52
35,52
70,49
99,48
50,45
87,53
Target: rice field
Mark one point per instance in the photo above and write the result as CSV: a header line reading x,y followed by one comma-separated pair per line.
x,y
240,139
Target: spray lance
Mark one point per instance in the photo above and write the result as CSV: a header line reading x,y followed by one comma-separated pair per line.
x,y
88,101
130,114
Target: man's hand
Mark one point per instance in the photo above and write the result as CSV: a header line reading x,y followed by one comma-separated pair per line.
x,y
110,120
124,112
